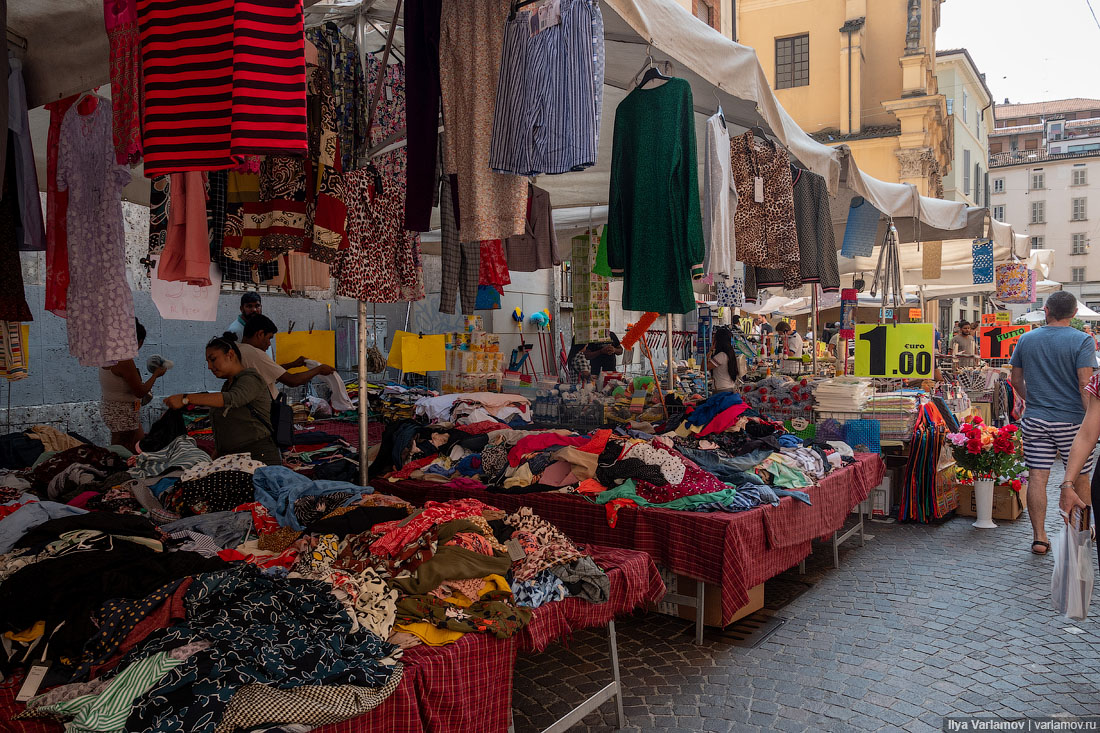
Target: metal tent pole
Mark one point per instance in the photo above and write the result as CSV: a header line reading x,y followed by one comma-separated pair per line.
x,y
671,368
364,408
813,324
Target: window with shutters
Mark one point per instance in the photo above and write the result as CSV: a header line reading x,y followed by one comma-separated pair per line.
x,y
1078,243
1038,212
792,62
1038,181
966,171
1078,211
999,213
1080,176
1038,242
1077,275
998,185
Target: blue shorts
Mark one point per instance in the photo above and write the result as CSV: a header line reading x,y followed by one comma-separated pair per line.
x,y
550,93
1044,440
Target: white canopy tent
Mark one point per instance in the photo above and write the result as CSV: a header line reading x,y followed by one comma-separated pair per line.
x,y
1083,312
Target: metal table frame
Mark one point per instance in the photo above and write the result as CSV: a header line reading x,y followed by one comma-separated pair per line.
x,y
613,690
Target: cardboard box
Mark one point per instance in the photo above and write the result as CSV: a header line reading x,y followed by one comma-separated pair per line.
x,y
712,602
1007,504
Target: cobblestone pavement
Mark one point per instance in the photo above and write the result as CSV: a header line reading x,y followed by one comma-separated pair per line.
x,y
921,623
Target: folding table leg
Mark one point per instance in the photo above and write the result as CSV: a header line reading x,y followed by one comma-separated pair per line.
x,y
836,552
700,588
620,719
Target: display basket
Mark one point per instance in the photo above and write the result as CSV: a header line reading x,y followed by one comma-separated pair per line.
x,y
582,418
894,425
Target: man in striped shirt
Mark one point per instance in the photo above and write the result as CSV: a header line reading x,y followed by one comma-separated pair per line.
x,y
1051,367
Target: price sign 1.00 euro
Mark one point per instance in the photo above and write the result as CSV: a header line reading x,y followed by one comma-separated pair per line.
x,y
895,350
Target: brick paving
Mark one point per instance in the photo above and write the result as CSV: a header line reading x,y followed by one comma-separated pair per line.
x,y
921,623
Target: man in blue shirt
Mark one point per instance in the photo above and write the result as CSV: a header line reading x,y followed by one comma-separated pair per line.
x,y
1050,368
250,305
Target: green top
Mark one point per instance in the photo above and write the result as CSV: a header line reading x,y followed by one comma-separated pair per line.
x,y
654,227
245,421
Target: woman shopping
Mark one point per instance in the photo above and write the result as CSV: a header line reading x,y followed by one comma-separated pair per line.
x,y
722,361
122,395
241,413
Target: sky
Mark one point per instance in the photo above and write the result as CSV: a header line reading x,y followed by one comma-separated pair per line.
x,y
1029,50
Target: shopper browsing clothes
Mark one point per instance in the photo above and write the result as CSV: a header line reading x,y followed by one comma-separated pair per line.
x,y
964,347
258,332
1051,367
241,412
722,361
122,395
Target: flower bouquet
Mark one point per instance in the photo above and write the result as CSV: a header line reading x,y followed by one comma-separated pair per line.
x,y
985,455
985,452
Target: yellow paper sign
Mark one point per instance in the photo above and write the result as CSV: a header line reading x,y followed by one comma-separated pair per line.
x,y
901,350
915,314
317,345
417,353
1004,317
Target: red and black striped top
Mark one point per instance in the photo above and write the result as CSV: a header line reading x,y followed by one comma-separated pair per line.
x,y
222,79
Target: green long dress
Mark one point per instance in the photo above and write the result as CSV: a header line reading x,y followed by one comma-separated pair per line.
x,y
655,229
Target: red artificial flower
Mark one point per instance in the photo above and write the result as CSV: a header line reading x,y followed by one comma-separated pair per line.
x,y
974,446
1012,428
977,419
1016,485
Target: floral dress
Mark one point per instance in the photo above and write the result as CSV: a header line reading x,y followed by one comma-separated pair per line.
x,y
100,305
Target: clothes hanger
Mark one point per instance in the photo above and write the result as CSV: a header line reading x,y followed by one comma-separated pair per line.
x,y
88,103
517,4
721,114
654,72
758,131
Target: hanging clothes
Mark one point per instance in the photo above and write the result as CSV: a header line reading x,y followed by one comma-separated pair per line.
x,y
245,82
654,228
57,204
339,57
186,255
493,266
120,19
817,255
461,261
549,93
764,225
30,231
13,301
422,71
492,205
305,274
217,205
719,199
100,304
537,247
382,261
13,351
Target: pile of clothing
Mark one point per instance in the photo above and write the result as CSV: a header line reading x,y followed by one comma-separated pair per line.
x,y
252,595
472,408
394,401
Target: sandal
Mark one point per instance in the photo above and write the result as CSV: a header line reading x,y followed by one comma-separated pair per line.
x,y
1040,543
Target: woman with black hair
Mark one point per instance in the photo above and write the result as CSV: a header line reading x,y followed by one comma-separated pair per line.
x,y
722,361
241,413
122,393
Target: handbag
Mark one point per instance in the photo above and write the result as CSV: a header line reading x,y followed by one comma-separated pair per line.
x,y
281,423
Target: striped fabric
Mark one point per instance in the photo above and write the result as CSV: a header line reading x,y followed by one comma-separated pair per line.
x,y
549,93
108,710
187,61
269,78
1044,440
13,351
221,78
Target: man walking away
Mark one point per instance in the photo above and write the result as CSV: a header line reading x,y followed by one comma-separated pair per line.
x,y
1051,367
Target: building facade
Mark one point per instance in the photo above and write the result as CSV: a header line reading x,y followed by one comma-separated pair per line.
x,y
1030,126
860,73
1052,197
718,14
970,114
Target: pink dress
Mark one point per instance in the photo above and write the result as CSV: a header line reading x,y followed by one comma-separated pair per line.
x,y
100,304
120,18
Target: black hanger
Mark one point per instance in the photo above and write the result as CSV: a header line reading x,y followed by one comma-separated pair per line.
x,y
653,72
758,131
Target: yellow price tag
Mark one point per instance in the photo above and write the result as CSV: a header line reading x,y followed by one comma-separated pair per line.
x,y
901,350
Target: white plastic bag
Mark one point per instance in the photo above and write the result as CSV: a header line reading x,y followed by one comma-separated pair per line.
x,y
1074,574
